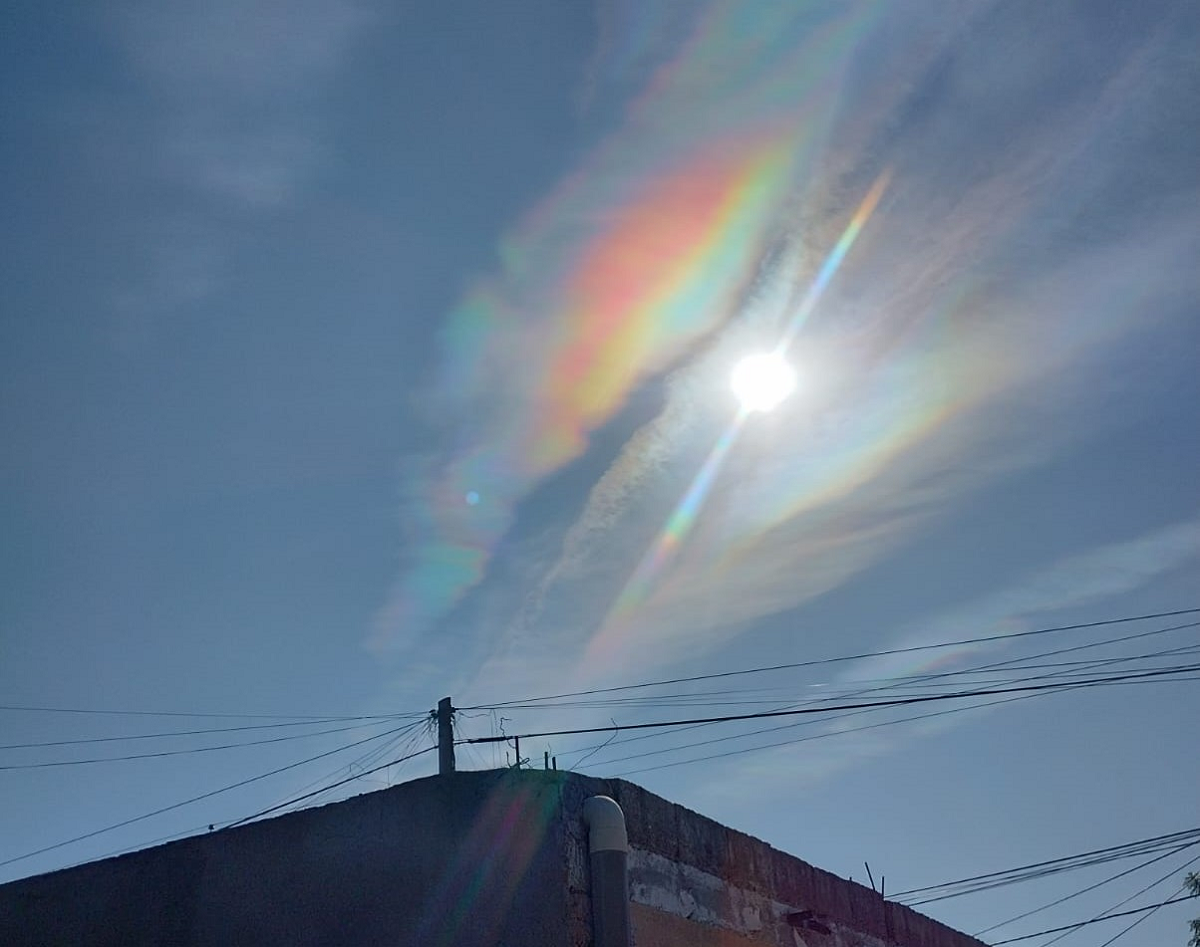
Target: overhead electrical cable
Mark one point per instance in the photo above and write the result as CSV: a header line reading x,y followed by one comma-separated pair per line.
x,y
1009,662
124,850
741,695
899,684
1006,636
1092,887
179,713
343,782
356,769
202,796
806,739
1174,872
957,695
833,733
1066,862
913,679
186,733
407,736
1149,913
190,750
1014,663
195,830
1095,920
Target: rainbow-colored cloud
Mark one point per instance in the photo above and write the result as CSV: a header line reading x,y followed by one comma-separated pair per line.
x,y
645,250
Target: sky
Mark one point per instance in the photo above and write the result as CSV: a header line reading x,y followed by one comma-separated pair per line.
x,y
357,354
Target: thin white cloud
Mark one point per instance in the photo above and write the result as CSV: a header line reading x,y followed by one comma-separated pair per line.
x,y
238,48
975,327
237,83
812,751
1077,581
225,107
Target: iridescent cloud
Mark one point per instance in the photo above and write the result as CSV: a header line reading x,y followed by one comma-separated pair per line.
x,y
646,249
964,334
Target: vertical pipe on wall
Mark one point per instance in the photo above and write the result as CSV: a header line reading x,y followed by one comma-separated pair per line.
x,y
608,844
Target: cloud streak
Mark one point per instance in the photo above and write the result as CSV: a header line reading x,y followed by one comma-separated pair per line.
x,y
1073,582
238,83
625,267
980,310
218,125
965,313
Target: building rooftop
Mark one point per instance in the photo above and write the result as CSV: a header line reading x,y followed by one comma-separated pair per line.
x,y
496,858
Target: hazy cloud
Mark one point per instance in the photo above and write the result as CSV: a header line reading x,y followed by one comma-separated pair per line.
x,y
223,117
814,750
967,334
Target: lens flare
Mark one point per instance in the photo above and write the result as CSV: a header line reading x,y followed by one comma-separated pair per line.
x,y
761,382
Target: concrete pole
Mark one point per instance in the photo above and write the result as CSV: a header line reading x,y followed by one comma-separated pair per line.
x,y
445,721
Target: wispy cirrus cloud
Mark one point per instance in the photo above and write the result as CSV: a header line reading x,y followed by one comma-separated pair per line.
x,y
238,86
1074,582
965,337
220,123
984,305
626,267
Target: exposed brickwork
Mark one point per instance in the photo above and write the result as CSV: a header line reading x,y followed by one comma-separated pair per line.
x,y
756,878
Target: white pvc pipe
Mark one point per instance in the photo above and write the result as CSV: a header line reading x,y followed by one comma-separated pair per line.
x,y
606,825
609,845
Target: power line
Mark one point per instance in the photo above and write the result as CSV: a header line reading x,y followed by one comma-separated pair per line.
x,y
1121,933
1125,849
842,658
1092,887
920,679
833,733
199,798
178,733
820,736
356,769
200,828
1066,686
112,853
1136,894
364,759
200,749
1094,920
348,779
909,680
899,702
977,669
178,713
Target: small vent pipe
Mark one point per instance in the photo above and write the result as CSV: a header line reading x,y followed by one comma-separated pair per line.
x,y
608,844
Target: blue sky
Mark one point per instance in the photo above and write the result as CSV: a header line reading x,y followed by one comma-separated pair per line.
x,y
356,354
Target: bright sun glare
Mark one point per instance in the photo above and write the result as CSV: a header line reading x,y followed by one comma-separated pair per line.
x,y
762,381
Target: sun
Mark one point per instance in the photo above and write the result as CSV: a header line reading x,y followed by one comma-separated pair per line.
x,y
761,382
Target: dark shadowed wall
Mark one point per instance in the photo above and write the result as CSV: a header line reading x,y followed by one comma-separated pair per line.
x,y
490,859
467,861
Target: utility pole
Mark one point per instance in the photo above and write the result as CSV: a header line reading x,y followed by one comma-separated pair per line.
x,y
445,722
